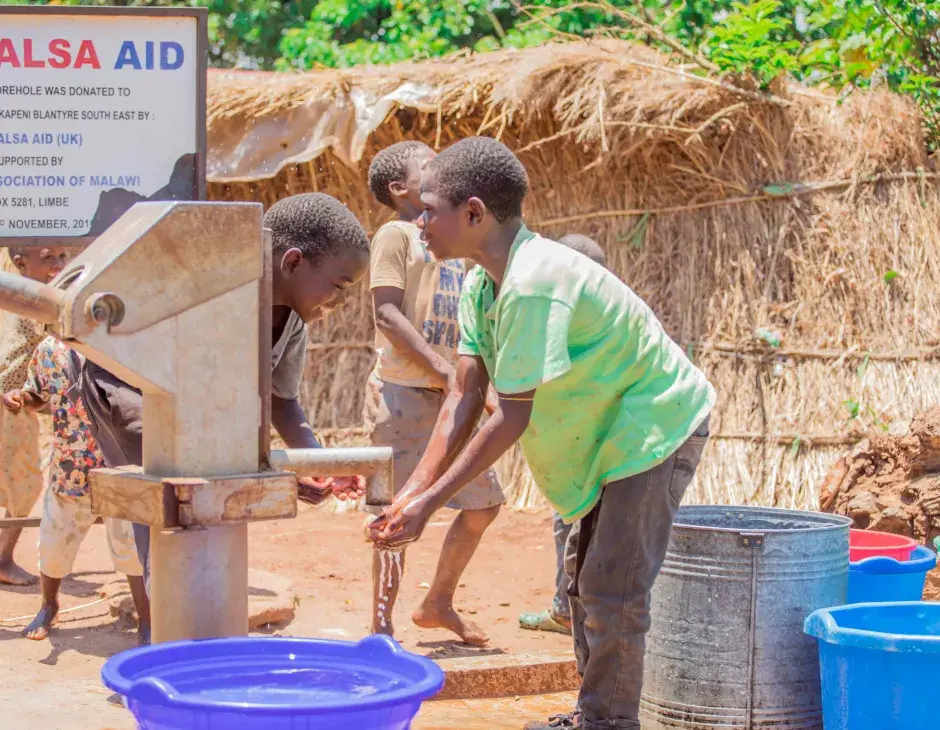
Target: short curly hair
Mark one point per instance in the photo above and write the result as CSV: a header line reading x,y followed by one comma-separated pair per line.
x,y
586,246
316,223
482,167
391,165
26,250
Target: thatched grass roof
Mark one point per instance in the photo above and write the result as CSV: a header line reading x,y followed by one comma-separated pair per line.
x,y
607,94
739,216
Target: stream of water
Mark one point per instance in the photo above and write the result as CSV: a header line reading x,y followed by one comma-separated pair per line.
x,y
389,560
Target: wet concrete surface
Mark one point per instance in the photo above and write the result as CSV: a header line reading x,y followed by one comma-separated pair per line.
x,y
74,704
328,560
65,704
54,684
501,714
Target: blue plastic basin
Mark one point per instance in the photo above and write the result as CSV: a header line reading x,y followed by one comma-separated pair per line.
x,y
273,684
878,664
879,579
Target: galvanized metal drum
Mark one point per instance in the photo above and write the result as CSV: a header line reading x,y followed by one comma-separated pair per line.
x,y
726,648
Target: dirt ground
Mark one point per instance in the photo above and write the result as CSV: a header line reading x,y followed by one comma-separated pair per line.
x,y
891,483
54,684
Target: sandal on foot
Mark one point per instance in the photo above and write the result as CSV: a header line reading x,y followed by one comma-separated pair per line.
x,y
569,721
544,621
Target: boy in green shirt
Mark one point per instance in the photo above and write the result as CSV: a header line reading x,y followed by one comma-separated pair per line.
x,y
610,413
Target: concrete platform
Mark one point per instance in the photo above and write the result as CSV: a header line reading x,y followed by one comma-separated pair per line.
x,y
271,600
508,713
504,675
84,705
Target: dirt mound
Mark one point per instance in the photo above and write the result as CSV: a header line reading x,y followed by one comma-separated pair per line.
x,y
892,484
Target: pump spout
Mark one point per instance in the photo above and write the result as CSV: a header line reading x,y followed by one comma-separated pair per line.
x,y
30,299
370,461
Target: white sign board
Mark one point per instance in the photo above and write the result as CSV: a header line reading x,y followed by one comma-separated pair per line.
x,y
99,109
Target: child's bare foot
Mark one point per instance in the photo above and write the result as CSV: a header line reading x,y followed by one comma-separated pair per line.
x,y
38,628
12,574
431,615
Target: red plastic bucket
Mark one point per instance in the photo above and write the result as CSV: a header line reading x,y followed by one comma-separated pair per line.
x,y
866,544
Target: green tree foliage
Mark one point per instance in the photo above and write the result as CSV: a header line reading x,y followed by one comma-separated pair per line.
x,y
842,44
242,33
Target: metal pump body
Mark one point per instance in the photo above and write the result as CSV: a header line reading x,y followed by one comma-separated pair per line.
x,y
175,299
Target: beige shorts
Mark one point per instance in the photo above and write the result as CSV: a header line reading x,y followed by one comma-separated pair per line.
x,y
20,463
403,417
65,522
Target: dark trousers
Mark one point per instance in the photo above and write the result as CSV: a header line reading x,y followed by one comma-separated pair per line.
x,y
142,542
115,410
612,557
560,531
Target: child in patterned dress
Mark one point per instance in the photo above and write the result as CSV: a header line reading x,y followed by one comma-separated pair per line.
x,y
66,509
20,469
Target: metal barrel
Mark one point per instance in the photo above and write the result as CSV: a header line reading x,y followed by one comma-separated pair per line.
x,y
726,647
29,298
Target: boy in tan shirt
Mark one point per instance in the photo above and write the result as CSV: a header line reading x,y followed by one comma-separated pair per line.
x,y
415,300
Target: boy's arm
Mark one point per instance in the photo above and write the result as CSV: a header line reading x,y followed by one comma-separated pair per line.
x,y
462,405
533,350
391,322
456,420
405,520
34,394
388,273
13,401
290,422
287,417
427,490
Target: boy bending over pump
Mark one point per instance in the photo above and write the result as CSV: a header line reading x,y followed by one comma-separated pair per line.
x,y
611,414
320,250
415,299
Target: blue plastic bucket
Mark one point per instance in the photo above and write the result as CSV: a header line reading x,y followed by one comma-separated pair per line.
x,y
878,664
273,684
880,579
